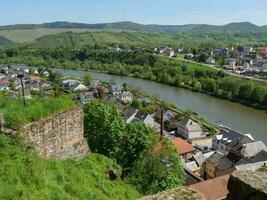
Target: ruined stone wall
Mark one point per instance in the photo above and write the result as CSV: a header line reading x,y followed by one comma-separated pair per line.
x,y
247,185
59,136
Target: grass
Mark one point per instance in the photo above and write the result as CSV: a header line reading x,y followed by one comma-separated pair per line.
x,y
16,114
25,176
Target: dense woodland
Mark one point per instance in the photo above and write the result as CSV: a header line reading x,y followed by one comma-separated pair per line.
x,y
145,65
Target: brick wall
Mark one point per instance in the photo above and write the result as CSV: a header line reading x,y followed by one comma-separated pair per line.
x,y
59,136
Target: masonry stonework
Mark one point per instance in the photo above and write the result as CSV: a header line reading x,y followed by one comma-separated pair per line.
x,y
59,136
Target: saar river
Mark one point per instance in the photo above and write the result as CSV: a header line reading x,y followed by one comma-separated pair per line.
x,y
214,110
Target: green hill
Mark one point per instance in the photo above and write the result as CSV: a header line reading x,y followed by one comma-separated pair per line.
x,y
108,38
30,32
26,176
241,27
103,38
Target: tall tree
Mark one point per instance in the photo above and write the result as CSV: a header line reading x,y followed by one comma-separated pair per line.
x,y
104,128
158,169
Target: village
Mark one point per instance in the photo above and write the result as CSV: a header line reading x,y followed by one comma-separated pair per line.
x,y
206,156
243,60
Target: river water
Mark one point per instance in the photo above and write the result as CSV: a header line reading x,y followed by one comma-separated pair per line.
x,y
214,110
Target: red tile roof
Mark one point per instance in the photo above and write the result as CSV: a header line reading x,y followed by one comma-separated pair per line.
x,y
4,81
214,188
182,146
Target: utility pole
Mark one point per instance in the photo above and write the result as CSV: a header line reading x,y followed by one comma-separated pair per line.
x,y
161,125
21,76
2,122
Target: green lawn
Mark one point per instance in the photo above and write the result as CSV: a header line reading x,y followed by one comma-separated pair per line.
x,y
25,176
16,114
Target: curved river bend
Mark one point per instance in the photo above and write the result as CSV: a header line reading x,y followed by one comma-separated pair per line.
x,y
214,110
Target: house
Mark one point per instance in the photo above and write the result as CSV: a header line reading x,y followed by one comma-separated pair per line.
x,y
129,114
4,85
168,115
189,129
250,150
35,86
191,165
2,76
147,119
115,89
183,148
86,97
145,101
218,165
232,63
189,56
46,86
221,142
211,61
45,74
126,97
258,161
95,83
78,87
199,158
69,83
213,189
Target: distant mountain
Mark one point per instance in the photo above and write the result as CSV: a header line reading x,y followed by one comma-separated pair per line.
x,y
237,27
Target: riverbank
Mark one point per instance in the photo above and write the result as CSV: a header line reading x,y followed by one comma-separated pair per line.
x,y
214,110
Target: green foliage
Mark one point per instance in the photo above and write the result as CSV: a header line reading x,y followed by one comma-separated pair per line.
x,y
16,114
104,128
134,141
107,134
87,78
137,104
157,169
27,176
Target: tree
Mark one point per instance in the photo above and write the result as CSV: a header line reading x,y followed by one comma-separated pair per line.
x,y
157,169
104,128
137,104
208,84
246,90
87,78
135,140
125,86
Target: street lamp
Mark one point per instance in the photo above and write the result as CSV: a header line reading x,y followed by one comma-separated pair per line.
x,y
21,76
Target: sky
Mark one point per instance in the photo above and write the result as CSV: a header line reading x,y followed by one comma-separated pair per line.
x,y
172,12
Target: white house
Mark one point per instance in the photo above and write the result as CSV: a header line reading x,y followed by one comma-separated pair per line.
x,y
116,89
78,87
126,97
211,61
223,141
147,119
189,129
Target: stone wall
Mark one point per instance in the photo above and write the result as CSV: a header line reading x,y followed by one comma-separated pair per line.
x,y
247,185
179,193
59,136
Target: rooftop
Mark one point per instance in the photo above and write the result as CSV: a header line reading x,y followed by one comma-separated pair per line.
x,y
182,146
214,188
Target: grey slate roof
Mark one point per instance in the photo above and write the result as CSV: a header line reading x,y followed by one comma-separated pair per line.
x,y
251,149
199,158
128,112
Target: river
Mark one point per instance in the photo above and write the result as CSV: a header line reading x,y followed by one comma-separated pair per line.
x,y
214,110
